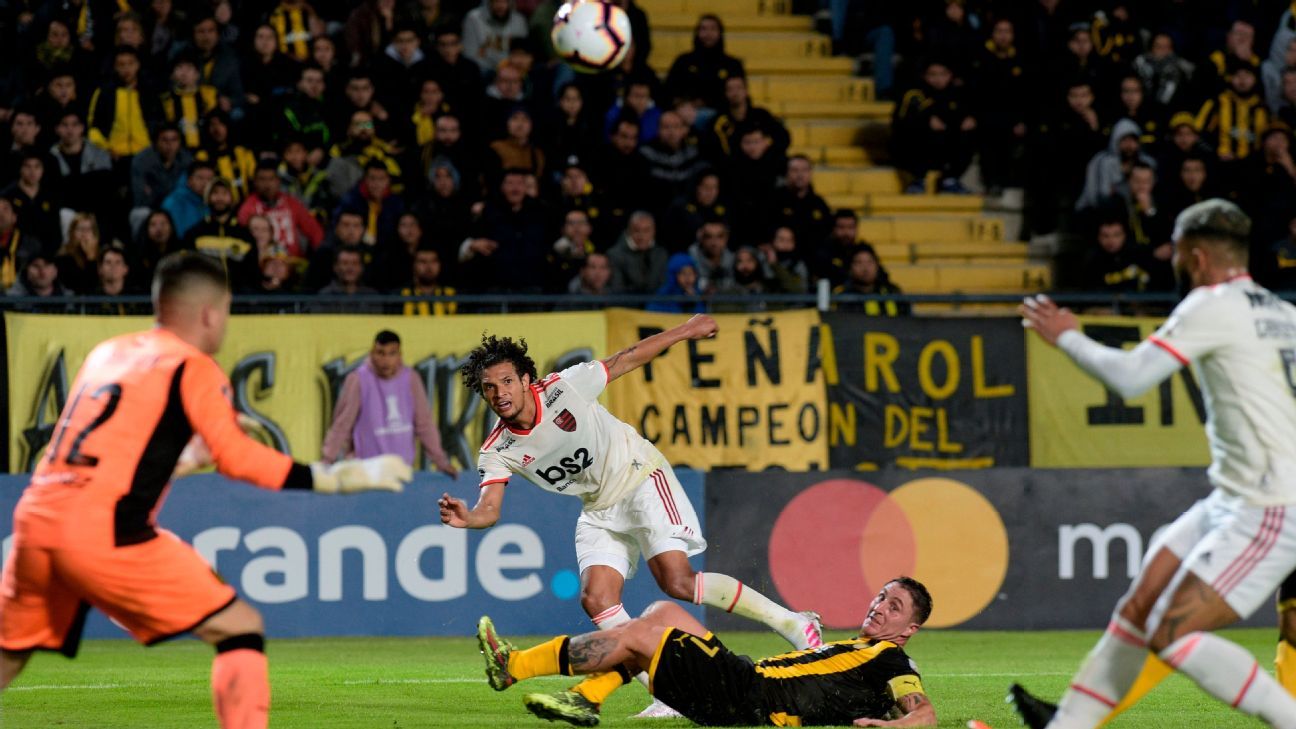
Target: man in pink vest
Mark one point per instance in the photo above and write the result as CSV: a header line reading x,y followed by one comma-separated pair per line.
x,y
382,408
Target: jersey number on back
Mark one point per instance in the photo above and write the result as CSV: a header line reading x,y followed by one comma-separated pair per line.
x,y
75,457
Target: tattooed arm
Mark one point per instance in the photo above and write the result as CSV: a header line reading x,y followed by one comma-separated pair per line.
x,y
918,711
700,326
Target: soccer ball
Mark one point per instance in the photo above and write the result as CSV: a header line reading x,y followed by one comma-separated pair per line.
x,y
591,35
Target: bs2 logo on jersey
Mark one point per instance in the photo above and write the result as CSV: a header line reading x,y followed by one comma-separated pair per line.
x,y
572,465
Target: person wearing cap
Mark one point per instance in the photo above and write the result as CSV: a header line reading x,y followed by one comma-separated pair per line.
x,y
1183,140
1109,170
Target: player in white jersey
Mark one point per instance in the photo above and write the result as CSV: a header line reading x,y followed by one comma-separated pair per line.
x,y
1224,557
554,433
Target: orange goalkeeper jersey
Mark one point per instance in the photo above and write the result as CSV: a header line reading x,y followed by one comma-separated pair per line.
x,y
135,404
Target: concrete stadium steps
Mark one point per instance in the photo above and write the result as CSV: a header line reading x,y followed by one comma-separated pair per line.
x,y
666,46
767,90
818,110
889,204
834,155
841,181
931,278
686,22
726,9
931,229
836,132
954,252
810,66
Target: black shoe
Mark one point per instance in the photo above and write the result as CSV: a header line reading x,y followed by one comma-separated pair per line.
x,y
1034,713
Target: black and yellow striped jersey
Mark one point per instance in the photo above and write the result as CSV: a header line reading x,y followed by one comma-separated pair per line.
x,y
836,683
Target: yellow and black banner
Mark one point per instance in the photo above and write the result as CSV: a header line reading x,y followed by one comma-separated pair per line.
x,y
286,371
1076,422
925,393
753,397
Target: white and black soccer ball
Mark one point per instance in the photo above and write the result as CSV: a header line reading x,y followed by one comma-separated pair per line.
x,y
591,35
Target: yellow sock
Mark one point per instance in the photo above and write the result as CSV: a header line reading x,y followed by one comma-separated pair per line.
x,y
598,686
1154,672
546,659
1286,663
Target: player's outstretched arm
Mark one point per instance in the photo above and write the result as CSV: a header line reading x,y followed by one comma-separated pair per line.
x,y
918,711
455,512
700,326
1128,373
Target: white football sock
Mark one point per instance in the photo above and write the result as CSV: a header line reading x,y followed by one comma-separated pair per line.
x,y
730,595
1232,675
1104,678
611,618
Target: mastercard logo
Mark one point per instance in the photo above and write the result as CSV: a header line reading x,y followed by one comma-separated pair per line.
x,y
838,542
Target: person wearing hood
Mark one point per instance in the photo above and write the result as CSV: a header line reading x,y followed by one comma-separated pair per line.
x,y
1108,171
638,263
1271,73
701,72
220,236
489,30
712,257
681,280
444,212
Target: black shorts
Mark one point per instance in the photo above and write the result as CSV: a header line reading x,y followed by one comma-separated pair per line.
x,y
703,680
1287,593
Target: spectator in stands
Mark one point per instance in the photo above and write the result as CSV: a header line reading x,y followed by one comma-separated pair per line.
x,y
303,118
39,278
232,161
278,274
517,150
220,236
570,133
83,171
1191,186
1114,265
156,171
750,277
348,232
121,113
620,174
59,99
445,212
786,263
932,131
360,95
451,148
185,203
268,75
1271,72
1165,76
1002,99
1078,61
1286,109
506,92
303,180
739,113
638,263
752,173
797,206
460,76
349,158
217,60
1117,40
572,248
687,214
576,192
506,249
1269,190
369,28
1148,227
25,132
1238,52
712,258
701,72
79,254
681,280
672,162
383,408
35,198
594,278
1108,172
348,275
382,209
426,281
873,32
296,232
1133,105
113,274
430,103
635,102
832,257
949,29
866,275
187,100
155,239
1235,118
16,245
489,30
1183,141
1283,253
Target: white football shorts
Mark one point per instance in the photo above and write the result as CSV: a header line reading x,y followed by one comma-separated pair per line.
x,y
656,518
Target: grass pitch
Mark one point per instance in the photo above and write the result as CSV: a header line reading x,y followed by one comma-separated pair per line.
x,y
398,683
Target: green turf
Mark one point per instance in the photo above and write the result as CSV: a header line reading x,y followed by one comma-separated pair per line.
x,y
438,682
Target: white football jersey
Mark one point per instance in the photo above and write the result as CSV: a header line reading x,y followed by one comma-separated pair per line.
x,y
576,446
1241,340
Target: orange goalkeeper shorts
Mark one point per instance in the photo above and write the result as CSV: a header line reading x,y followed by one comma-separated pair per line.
x,y
155,590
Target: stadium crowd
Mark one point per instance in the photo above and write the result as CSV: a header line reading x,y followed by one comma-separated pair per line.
x,y
428,147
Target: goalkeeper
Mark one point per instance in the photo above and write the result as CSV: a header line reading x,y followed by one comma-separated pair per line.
x,y
145,406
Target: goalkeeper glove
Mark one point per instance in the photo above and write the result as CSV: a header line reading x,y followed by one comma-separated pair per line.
x,y
385,473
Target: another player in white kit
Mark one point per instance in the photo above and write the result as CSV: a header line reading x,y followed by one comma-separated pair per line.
x,y
1224,557
554,433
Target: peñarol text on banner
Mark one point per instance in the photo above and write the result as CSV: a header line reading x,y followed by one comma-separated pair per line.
x,y
286,371
1076,422
752,397
925,393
